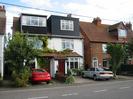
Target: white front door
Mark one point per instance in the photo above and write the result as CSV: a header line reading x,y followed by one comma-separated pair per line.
x,y
95,62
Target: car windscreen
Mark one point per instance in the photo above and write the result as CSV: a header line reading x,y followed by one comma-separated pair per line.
x,y
107,69
99,69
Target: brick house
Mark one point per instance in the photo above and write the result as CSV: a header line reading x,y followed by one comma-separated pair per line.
x,y
96,36
62,32
2,33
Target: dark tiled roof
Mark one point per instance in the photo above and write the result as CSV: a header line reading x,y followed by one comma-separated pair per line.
x,y
97,33
59,55
116,26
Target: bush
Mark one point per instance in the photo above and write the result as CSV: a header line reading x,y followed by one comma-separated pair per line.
x,y
77,72
69,72
21,78
70,79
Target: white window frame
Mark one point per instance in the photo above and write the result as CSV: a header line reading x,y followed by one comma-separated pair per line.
x,y
73,59
67,25
104,48
95,62
122,33
67,44
28,21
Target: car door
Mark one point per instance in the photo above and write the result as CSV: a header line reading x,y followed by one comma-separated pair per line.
x,y
92,71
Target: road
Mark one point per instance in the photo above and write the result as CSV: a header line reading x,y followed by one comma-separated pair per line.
x,y
99,90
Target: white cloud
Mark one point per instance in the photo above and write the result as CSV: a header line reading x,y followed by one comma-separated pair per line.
x,y
106,9
38,3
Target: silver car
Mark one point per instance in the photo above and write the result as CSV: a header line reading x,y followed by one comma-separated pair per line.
x,y
98,73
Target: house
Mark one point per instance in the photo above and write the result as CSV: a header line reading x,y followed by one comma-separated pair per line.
x,y
63,33
2,33
96,37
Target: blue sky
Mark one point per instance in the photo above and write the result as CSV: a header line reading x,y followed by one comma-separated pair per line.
x,y
120,10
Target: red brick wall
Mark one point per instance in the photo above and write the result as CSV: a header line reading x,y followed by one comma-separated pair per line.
x,y
93,49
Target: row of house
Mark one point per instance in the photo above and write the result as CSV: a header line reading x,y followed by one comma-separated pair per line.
x,y
87,40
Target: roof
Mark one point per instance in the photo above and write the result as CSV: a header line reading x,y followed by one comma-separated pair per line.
x,y
60,55
100,33
27,14
97,33
115,26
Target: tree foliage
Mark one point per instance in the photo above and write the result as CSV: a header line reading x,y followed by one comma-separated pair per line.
x,y
130,47
18,51
117,54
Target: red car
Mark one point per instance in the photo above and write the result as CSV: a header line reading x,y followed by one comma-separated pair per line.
x,y
40,75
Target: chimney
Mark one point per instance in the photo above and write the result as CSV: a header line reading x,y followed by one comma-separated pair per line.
x,y
129,26
96,21
69,15
2,8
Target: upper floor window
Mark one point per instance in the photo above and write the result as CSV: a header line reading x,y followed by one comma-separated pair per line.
x,y
34,21
37,44
122,33
66,25
67,44
104,48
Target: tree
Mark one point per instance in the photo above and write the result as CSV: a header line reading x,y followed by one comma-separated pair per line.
x,y
130,47
19,51
117,54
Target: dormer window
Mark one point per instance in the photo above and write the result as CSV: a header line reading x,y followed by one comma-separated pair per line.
x,y
122,33
33,21
67,25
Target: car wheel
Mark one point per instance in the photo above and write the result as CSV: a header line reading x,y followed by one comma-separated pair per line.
x,y
47,82
83,75
95,77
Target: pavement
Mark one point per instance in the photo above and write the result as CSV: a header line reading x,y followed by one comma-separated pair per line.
x,y
78,81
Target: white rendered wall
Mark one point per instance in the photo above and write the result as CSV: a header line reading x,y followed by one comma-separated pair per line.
x,y
53,67
1,54
56,43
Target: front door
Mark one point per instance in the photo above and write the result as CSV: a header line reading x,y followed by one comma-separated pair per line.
x,y
95,62
61,67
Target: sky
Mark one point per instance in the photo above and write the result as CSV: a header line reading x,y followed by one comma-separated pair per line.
x,y
110,11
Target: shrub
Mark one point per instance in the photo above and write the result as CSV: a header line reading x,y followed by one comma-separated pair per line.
x,y
69,72
21,78
77,72
70,79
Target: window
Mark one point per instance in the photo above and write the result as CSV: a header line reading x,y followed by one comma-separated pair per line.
x,y
104,48
34,21
122,33
105,63
66,25
73,62
67,44
38,44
